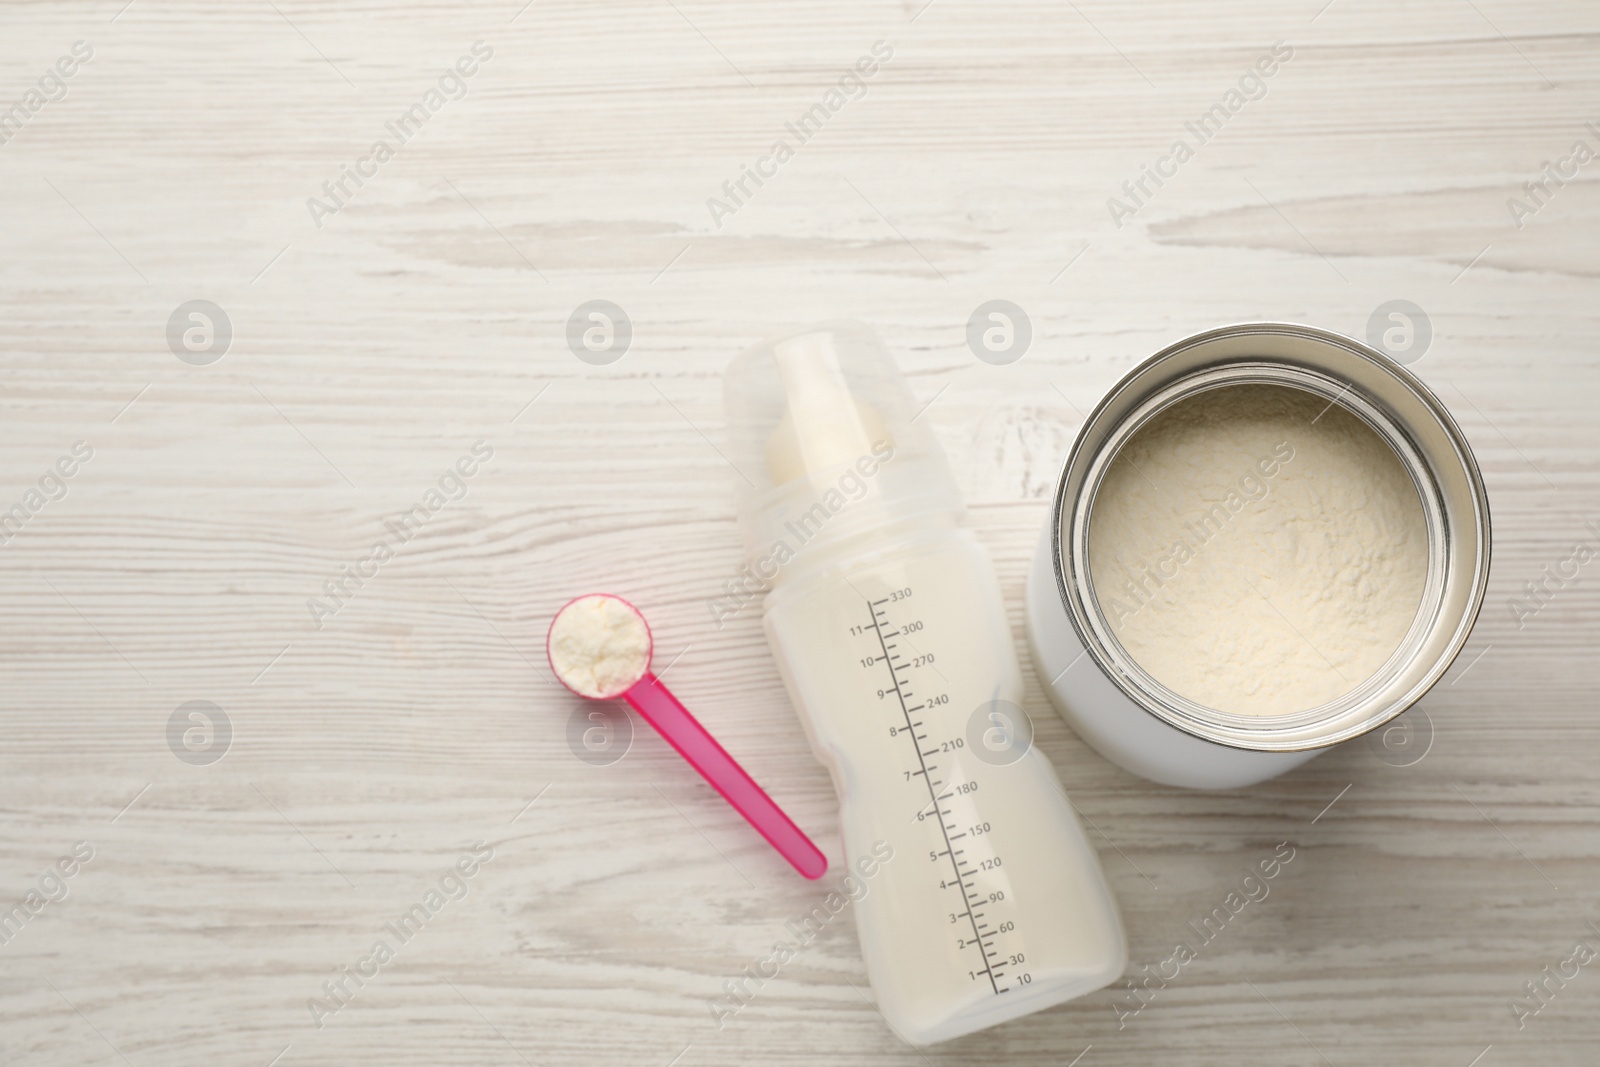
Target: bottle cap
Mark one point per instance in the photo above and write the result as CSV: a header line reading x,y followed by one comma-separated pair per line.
x,y
826,433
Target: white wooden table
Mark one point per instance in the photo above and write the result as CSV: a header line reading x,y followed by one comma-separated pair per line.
x,y
368,754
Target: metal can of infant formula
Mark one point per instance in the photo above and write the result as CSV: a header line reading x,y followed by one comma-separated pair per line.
x,y
1104,692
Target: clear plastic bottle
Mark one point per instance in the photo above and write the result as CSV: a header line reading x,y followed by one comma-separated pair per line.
x,y
889,630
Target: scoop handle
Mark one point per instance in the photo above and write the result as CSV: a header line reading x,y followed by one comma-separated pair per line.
x,y
656,704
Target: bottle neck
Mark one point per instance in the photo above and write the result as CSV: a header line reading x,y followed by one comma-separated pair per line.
x,y
832,550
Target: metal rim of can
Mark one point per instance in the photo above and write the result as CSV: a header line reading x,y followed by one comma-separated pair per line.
x,y
1437,455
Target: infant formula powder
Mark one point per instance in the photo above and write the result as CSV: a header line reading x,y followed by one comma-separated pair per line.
x,y
1258,549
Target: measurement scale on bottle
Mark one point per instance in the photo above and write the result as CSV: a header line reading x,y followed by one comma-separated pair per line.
x,y
979,881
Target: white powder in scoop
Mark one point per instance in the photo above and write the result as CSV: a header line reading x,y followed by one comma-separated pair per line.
x,y
1258,551
599,646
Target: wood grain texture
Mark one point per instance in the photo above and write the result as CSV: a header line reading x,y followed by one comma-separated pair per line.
x,y
368,754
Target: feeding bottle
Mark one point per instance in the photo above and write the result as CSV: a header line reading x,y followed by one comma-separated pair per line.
x,y
887,623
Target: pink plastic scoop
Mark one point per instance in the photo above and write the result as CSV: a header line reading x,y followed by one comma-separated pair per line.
x,y
599,647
